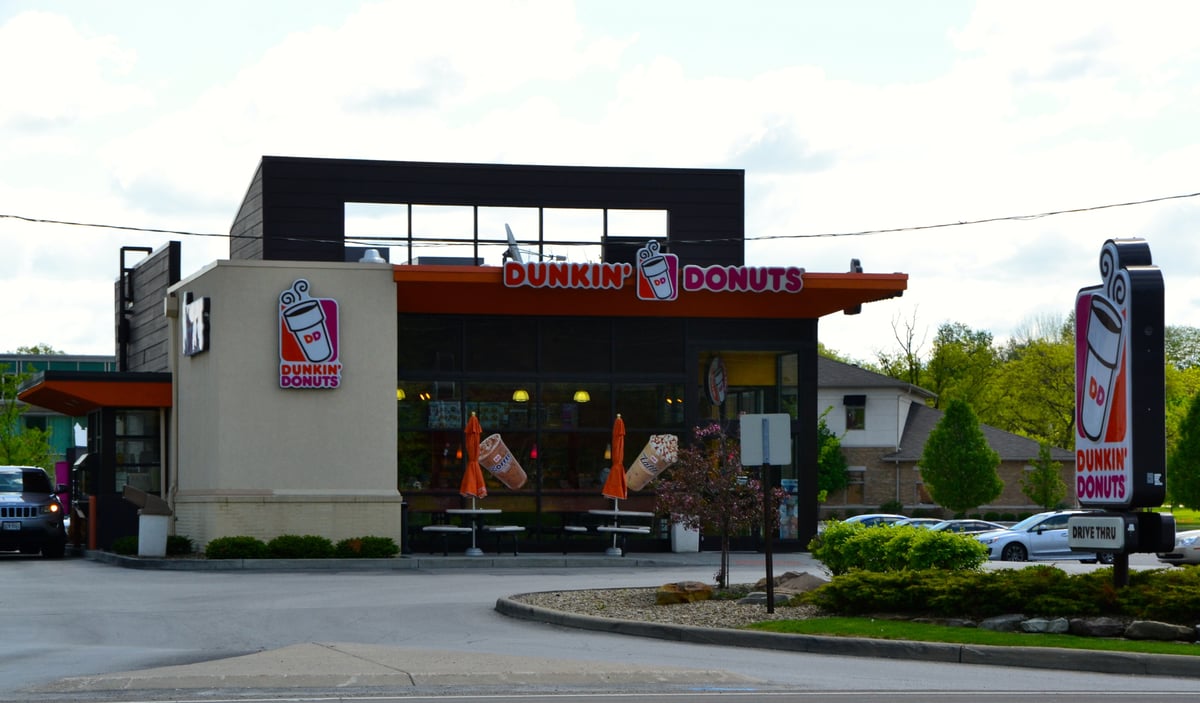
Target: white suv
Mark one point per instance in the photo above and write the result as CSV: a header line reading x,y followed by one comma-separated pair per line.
x,y
31,517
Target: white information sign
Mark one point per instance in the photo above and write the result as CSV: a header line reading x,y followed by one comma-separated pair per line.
x,y
766,439
1100,532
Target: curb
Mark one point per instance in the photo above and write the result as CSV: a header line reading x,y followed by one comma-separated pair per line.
x,y
1173,665
399,563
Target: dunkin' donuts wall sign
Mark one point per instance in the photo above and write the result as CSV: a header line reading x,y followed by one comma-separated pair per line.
x,y
308,339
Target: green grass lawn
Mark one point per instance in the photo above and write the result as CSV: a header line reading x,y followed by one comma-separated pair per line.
x,y
924,632
1184,519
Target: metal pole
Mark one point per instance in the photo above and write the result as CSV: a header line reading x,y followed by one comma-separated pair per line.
x,y
766,483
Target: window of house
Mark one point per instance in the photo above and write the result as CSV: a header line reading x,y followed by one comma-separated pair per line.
x,y
856,411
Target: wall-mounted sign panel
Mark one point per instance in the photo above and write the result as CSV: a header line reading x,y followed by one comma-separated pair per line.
x,y
308,340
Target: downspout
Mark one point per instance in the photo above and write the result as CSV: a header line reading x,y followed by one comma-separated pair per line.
x,y
170,453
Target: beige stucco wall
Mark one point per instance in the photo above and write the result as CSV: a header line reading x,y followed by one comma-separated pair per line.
x,y
251,458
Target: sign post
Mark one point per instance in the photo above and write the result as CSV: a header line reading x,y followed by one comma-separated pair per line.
x,y
767,440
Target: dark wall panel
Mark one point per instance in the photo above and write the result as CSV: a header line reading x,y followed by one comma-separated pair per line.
x,y
299,202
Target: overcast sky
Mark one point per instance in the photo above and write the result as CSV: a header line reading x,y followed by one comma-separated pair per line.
x,y
847,117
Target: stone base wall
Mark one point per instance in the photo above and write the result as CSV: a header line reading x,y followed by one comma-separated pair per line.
x,y
204,518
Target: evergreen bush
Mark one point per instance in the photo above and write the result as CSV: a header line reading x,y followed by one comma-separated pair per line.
x,y
367,548
236,548
299,547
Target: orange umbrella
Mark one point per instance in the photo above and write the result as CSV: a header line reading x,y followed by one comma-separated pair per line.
x,y
472,480
614,486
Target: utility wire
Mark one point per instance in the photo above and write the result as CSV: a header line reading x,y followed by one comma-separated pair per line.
x,y
426,242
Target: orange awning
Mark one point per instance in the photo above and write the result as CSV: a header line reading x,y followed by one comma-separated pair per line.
x,y
480,290
76,393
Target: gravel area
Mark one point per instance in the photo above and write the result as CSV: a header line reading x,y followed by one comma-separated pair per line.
x,y
638,604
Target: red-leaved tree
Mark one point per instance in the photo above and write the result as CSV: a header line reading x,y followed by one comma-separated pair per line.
x,y
707,487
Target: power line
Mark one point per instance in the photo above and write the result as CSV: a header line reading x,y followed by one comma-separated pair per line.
x,y
856,233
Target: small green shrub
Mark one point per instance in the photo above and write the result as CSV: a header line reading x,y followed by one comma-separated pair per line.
x,y
991,516
1168,595
178,545
367,548
125,545
299,547
844,547
892,506
236,548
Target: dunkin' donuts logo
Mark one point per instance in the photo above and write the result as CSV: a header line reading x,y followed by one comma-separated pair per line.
x,y
308,340
659,276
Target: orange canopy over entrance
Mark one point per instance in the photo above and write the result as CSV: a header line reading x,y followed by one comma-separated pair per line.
x,y
76,393
480,290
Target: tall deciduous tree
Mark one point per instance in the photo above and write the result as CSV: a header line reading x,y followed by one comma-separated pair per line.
x,y
1033,392
962,364
1183,464
957,464
1044,485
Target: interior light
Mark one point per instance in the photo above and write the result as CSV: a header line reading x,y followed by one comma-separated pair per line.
x,y
608,451
582,396
400,394
533,452
521,395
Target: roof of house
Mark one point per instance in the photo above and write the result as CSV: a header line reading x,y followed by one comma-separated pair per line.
x,y
837,374
922,419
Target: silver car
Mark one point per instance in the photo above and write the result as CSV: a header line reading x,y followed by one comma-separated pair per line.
x,y
31,516
1041,537
1186,551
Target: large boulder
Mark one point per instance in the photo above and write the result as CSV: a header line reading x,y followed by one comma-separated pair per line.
x,y
1052,626
1097,627
683,592
1003,623
1165,631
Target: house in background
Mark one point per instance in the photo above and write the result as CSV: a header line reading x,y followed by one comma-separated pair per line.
x,y
883,424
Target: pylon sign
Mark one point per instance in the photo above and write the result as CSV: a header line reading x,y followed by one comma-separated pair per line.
x,y
1120,436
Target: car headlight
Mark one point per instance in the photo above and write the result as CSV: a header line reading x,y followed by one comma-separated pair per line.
x,y
987,540
53,508
1186,541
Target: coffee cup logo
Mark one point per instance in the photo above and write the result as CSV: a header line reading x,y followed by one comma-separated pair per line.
x,y
658,274
305,320
308,339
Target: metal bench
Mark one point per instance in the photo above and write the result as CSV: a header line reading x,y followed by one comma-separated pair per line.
x,y
445,531
622,532
501,530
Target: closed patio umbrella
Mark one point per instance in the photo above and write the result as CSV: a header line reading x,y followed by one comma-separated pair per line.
x,y
614,486
472,481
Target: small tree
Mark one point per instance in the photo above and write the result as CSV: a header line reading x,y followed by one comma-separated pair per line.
x,y
832,471
707,486
1183,466
19,445
957,464
1044,485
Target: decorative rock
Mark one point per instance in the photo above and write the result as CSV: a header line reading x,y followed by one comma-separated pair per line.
x,y
760,598
793,582
1003,623
683,592
1053,626
947,622
1097,627
1163,631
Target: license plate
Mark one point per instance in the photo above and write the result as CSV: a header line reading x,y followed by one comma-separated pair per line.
x,y
12,526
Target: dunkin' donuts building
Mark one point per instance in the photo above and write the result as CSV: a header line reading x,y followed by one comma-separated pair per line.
x,y
306,385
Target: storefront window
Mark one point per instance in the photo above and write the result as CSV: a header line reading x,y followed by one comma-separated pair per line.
x,y
138,460
501,344
429,344
648,345
576,345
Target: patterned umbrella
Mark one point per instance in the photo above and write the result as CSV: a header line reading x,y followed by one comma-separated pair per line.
x,y
614,486
472,480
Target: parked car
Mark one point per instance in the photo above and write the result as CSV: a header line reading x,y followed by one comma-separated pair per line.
x,y
31,517
1186,551
869,520
1041,537
967,527
927,522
